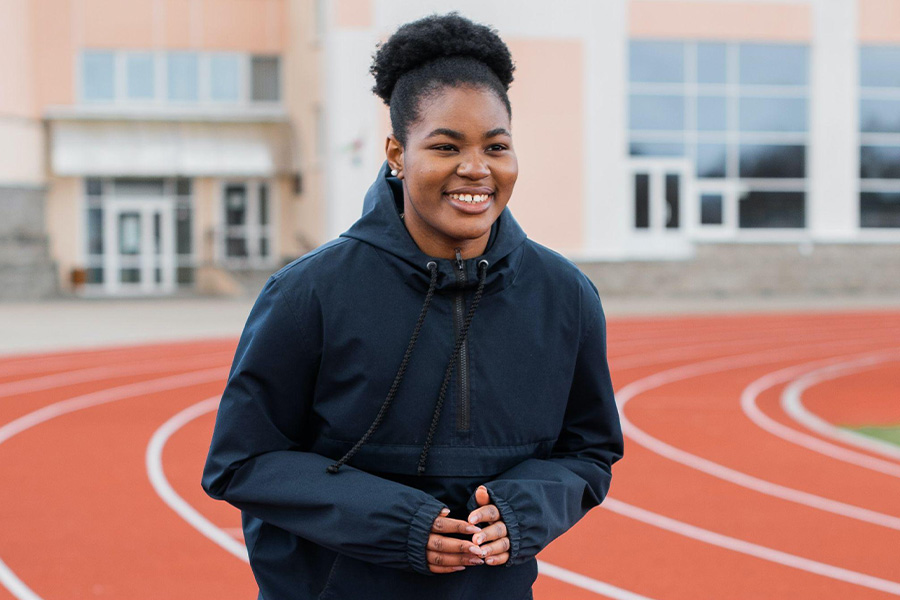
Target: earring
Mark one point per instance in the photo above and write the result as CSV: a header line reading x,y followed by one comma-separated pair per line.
x,y
394,172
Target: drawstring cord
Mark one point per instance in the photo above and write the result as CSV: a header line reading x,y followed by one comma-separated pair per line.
x,y
432,266
460,340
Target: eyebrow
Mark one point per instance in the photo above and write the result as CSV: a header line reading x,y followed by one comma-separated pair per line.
x,y
456,135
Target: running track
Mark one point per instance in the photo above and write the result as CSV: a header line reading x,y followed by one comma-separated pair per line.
x,y
736,483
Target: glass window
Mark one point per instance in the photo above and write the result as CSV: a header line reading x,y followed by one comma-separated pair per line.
x,y
656,62
641,201
879,66
183,186
879,209
673,200
664,113
656,149
236,247
183,76
773,64
265,84
712,63
712,113
224,74
711,209
98,70
879,162
139,187
94,275
184,275
772,114
772,209
759,160
182,230
263,204
879,116
95,230
236,204
93,186
140,76
711,160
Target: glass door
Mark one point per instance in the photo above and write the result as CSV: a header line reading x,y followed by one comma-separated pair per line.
x,y
659,188
139,233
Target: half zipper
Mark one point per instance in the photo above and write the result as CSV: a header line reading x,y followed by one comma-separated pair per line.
x,y
459,316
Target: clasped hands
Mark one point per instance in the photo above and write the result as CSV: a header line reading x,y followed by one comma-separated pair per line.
x,y
488,545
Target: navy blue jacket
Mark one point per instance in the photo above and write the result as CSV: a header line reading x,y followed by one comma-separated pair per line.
x,y
529,412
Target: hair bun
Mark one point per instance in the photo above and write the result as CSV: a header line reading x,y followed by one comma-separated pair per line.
x,y
419,42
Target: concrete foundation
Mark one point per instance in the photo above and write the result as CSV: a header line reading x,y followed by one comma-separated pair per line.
x,y
26,270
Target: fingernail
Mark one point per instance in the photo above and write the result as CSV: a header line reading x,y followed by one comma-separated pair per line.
x,y
475,550
491,560
459,568
478,539
473,519
445,512
472,529
476,561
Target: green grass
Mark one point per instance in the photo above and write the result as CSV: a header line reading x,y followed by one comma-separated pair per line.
x,y
887,434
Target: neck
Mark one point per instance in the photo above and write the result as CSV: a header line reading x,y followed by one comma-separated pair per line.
x,y
433,244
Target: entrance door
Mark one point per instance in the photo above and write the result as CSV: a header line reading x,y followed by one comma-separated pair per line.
x,y
139,234
659,189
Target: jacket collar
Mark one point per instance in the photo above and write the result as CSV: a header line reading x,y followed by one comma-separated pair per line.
x,y
380,226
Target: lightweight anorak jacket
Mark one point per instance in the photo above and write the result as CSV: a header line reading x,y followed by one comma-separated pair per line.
x,y
528,411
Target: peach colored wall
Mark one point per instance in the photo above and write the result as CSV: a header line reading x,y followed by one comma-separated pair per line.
x,y
353,14
117,24
178,23
16,72
721,20
250,25
879,21
64,219
54,53
548,135
21,151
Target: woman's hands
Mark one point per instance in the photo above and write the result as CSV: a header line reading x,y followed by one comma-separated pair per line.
x,y
447,554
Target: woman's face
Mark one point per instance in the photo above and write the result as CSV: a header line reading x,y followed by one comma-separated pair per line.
x,y
458,170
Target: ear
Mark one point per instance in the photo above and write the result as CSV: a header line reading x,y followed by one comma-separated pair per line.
x,y
393,150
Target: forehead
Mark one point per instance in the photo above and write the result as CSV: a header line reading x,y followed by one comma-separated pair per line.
x,y
465,109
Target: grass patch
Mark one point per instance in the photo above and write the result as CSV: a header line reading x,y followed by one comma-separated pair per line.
x,y
887,434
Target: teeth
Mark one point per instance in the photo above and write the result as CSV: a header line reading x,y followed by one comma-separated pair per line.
x,y
470,199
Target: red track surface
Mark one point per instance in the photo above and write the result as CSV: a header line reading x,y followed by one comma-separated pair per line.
x,y
80,518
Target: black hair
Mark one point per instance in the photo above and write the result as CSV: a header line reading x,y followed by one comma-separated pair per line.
x,y
424,56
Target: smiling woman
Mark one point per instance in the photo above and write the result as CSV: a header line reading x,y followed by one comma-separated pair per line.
x,y
343,498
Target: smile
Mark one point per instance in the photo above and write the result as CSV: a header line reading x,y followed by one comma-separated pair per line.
x,y
471,198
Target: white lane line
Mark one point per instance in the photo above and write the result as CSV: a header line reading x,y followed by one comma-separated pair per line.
x,y
755,414
744,547
720,471
56,380
153,460
237,548
792,403
7,577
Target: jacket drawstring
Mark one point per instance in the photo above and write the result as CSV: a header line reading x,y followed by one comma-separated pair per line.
x,y
432,267
460,340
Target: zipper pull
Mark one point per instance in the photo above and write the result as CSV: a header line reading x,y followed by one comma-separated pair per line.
x,y
459,261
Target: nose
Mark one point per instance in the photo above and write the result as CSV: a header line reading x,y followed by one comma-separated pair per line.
x,y
473,167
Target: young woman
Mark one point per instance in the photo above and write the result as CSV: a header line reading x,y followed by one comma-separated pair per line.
x,y
417,408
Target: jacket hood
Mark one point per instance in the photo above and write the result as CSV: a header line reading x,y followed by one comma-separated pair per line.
x,y
380,226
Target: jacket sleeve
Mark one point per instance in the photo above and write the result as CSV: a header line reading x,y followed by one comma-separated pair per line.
x,y
540,499
257,464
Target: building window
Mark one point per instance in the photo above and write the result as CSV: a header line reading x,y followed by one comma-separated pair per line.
x,y
247,231
179,78
739,112
879,135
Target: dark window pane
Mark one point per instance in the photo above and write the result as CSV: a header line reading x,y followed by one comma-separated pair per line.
x,y
182,230
711,209
712,113
236,204
656,62
879,66
879,162
772,114
641,200
158,274
183,186
139,187
773,64
263,204
879,209
711,63
236,247
94,275
773,161
130,275
95,230
130,233
184,275
157,233
711,160
772,209
656,149
93,187
265,86
673,200
264,247
657,112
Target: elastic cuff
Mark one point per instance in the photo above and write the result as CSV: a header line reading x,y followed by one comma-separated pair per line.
x,y
512,525
419,529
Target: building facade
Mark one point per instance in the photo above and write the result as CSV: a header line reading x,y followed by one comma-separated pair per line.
x,y
153,146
